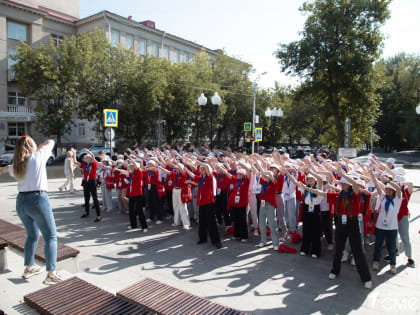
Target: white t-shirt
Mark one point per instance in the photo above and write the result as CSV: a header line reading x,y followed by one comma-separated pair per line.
x,y
388,221
36,172
289,189
67,164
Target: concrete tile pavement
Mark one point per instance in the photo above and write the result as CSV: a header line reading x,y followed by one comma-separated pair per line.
x,y
239,275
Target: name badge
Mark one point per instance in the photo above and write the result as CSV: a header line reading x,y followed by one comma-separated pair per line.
x,y
231,187
149,186
344,219
119,184
169,183
385,222
257,188
311,207
237,198
262,203
286,196
360,216
218,191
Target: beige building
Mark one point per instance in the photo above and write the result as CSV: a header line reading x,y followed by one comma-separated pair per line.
x,y
35,21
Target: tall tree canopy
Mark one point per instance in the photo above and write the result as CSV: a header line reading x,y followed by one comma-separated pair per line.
x,y
340,41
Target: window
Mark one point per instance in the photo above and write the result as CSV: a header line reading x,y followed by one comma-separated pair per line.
x,y
186,58
15,98
82,130
155,50
142,47
58,39
16,31
129,41
166,52
10,62
175,56
16,129
115,38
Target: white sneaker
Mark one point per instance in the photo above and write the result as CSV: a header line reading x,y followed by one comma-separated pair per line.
x,y
330,247
332,276
244,240
345,256
393,269
173,224
353,262
187,227
145,230
34,270
260,244
368,284
275,248
159,222
314,256
302,253
256,233
375,266
148,220
52,279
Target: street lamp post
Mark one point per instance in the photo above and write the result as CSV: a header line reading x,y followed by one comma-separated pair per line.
x,y
253,110
215,100
274,113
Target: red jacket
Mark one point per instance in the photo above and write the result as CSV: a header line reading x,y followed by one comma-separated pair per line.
x,y
270,192
205,191
240,189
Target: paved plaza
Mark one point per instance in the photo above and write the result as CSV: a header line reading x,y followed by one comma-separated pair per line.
x,y
242,276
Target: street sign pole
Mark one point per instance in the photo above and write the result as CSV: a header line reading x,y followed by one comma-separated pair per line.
x,y
347,127
253,118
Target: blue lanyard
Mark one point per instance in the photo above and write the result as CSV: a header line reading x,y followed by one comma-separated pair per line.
x,y
387,203
286,178
239,183
311,194
201,183
264,188
87,167
176,178
131,177
219,179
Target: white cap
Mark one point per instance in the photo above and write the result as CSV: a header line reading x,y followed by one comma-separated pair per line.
x,y
286,155
353,174
390,187
241,171
361,182
274,166
106,158
310,176
344,181
387,174
141,155
119,161
391,160
138,160
399,178
399,171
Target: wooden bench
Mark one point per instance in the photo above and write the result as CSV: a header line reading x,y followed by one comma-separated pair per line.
x,y
164,299
76,296
3,255
15,236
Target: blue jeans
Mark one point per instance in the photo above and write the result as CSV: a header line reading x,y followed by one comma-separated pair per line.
x,y
391,240
36,214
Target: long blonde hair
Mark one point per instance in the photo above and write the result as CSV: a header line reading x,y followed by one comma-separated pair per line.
x,y
24,147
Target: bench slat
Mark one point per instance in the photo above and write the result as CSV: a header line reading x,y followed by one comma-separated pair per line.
x,y
164,299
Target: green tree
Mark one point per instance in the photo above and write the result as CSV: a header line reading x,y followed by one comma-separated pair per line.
x,y
47,75
340,41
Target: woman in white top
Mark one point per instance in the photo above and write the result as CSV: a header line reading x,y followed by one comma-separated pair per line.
x,y
68,172
32,204
388,205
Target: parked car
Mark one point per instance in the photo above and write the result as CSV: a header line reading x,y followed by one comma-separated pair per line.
x,y
7,157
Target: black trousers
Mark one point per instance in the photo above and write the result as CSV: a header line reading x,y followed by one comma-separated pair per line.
x,y
89,189
240,222
326,223
221,208
311,231
135,209
342,232
155,203
207,224
169,201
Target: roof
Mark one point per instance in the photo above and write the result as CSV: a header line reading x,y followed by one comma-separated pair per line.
x,y
142,27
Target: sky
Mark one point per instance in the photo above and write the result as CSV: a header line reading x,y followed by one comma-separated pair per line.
x,y
251,30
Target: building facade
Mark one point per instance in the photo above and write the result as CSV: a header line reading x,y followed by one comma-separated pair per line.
x,y
36,21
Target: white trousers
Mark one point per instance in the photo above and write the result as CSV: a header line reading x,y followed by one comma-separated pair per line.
x,y
180,209
252,207
69,180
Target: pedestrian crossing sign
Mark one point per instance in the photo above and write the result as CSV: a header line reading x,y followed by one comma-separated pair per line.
x,y
247,126
258,134
111,117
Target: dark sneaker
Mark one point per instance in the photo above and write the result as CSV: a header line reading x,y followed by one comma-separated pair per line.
x,y
84,215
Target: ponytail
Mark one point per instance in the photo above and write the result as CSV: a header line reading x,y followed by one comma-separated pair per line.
x,y
25,146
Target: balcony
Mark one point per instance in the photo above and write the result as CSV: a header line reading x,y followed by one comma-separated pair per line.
x,y
17,113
